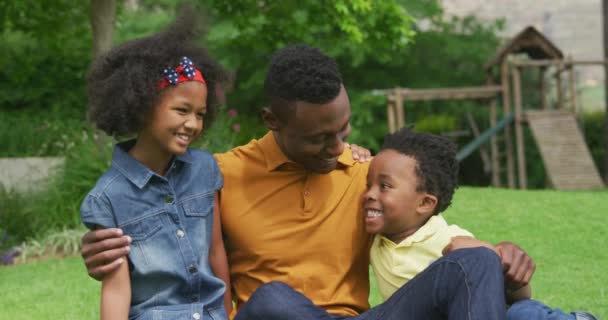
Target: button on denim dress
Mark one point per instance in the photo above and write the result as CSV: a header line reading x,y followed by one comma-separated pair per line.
x,y
170,219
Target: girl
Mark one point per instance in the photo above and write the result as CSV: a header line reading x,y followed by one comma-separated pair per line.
x,y
161,193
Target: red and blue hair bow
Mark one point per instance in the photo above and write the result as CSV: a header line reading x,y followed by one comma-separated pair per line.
x,y
185,71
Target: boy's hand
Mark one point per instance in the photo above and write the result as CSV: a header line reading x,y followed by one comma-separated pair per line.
x,y
462,242
103,251
360,153
517,265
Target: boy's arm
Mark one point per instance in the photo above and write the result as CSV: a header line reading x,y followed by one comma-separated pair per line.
x,y
218,260
116,294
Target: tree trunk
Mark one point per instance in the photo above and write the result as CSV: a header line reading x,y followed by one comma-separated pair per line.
x,y
102,17
605,23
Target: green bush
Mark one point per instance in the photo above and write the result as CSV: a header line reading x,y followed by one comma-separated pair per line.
x,y
593,128
437,124
26,133
42,75
57,207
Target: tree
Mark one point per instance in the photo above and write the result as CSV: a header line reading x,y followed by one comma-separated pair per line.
x,y
245,32
102,16
605,20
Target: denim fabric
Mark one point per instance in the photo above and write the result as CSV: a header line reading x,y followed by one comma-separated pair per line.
x,y
170,220
465,284
534,310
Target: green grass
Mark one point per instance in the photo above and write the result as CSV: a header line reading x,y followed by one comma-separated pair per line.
x,y
565,233
52,289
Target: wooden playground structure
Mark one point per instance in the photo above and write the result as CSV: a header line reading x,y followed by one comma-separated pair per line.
x,y
566,157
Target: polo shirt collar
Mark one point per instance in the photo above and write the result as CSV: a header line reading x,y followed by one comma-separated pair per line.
x,y
276,158
431,227
134,170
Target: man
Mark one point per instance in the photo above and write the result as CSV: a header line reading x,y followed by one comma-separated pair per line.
x,y
293,225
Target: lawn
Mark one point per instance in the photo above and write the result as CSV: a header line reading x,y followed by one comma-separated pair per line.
x,y
565,232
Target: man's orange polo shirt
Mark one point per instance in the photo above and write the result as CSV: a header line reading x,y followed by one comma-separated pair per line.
x,y
283,223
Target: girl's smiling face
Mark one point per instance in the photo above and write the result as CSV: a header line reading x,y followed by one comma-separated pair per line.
x,y
392,204
176,120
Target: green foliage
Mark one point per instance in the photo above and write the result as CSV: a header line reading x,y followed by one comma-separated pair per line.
x,y
368,126
593,128
437,124
223,134
26,133
42,75
62,243
12,204
38,17
140,23
245,33
39,69
58,206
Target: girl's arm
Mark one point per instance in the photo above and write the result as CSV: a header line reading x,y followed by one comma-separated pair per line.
x,y
116,294
217,255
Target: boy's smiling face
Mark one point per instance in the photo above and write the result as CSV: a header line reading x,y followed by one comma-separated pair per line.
x,y
392,204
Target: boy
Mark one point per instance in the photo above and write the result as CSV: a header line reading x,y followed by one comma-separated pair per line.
x,y
409,183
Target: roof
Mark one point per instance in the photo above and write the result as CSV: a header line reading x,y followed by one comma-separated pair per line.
x,y
529,41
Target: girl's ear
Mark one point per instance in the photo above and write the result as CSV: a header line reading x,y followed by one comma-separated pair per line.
x,y
270,119
426,205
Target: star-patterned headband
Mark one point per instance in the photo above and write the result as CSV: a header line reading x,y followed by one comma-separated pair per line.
x,y
185,71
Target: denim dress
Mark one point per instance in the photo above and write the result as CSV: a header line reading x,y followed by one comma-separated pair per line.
x,y
170,219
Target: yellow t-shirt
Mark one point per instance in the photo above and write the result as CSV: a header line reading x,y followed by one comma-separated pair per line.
x,y
395,264
283,223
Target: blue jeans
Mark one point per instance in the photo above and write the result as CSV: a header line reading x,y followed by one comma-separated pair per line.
x,y
465,284
534,310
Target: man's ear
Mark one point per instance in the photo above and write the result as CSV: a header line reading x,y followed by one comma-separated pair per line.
x,y
427,204
270,119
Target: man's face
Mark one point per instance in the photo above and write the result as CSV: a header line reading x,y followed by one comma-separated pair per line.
x,y
313,134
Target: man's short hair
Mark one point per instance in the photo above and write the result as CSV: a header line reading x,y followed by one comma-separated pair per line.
x,y
301,73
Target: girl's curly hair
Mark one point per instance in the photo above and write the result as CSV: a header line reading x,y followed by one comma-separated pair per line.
x,y
121,84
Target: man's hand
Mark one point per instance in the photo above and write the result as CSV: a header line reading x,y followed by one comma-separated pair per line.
x,y
360,153
517,265
461,242
103,251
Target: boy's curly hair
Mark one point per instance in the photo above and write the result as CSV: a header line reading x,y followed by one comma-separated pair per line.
x,y
121,84
301,73
436,164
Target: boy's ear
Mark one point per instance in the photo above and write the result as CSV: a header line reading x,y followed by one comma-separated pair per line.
x,y
427,204
270,119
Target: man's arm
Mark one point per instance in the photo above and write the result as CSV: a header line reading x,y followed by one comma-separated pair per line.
x,y
217,255
517,265
104,251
